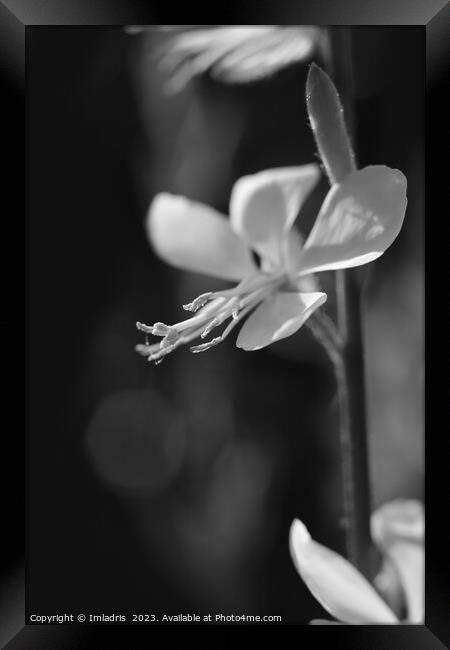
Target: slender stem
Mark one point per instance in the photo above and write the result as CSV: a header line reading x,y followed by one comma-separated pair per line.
x,y
353,430
327,335
349,364
345,356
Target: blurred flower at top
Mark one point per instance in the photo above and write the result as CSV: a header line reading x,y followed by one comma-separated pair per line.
x,y
398,530
233,53
359,218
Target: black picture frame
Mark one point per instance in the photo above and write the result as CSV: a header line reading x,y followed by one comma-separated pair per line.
x,y
18,16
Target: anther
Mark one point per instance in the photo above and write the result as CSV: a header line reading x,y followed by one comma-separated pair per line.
x,y
198,302
171,337
161,353
205,346
148,329
161,329
145,350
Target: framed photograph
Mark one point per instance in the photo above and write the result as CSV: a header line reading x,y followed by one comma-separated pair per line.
x,y
225,340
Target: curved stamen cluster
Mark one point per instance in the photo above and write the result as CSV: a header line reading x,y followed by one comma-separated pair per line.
x,y
211,310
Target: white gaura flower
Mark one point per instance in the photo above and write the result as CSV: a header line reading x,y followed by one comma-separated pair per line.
x,y
359,218
398,530
235,53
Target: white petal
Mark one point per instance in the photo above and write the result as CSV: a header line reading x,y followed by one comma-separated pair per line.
x,y
398,527
358,221
237,53
322,621
339,587
194,237
279,316
398,519
409,560
387,583
292,249
265,55
263,206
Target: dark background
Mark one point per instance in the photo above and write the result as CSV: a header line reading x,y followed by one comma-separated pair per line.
x,y
172,489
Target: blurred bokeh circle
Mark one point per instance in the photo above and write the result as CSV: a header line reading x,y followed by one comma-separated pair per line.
x,y
135,442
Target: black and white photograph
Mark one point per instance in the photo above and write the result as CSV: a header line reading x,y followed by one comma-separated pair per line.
x,y
225,333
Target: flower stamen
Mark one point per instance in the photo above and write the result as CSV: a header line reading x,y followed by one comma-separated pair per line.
x,y
213,308
209,344
198,302
148,329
